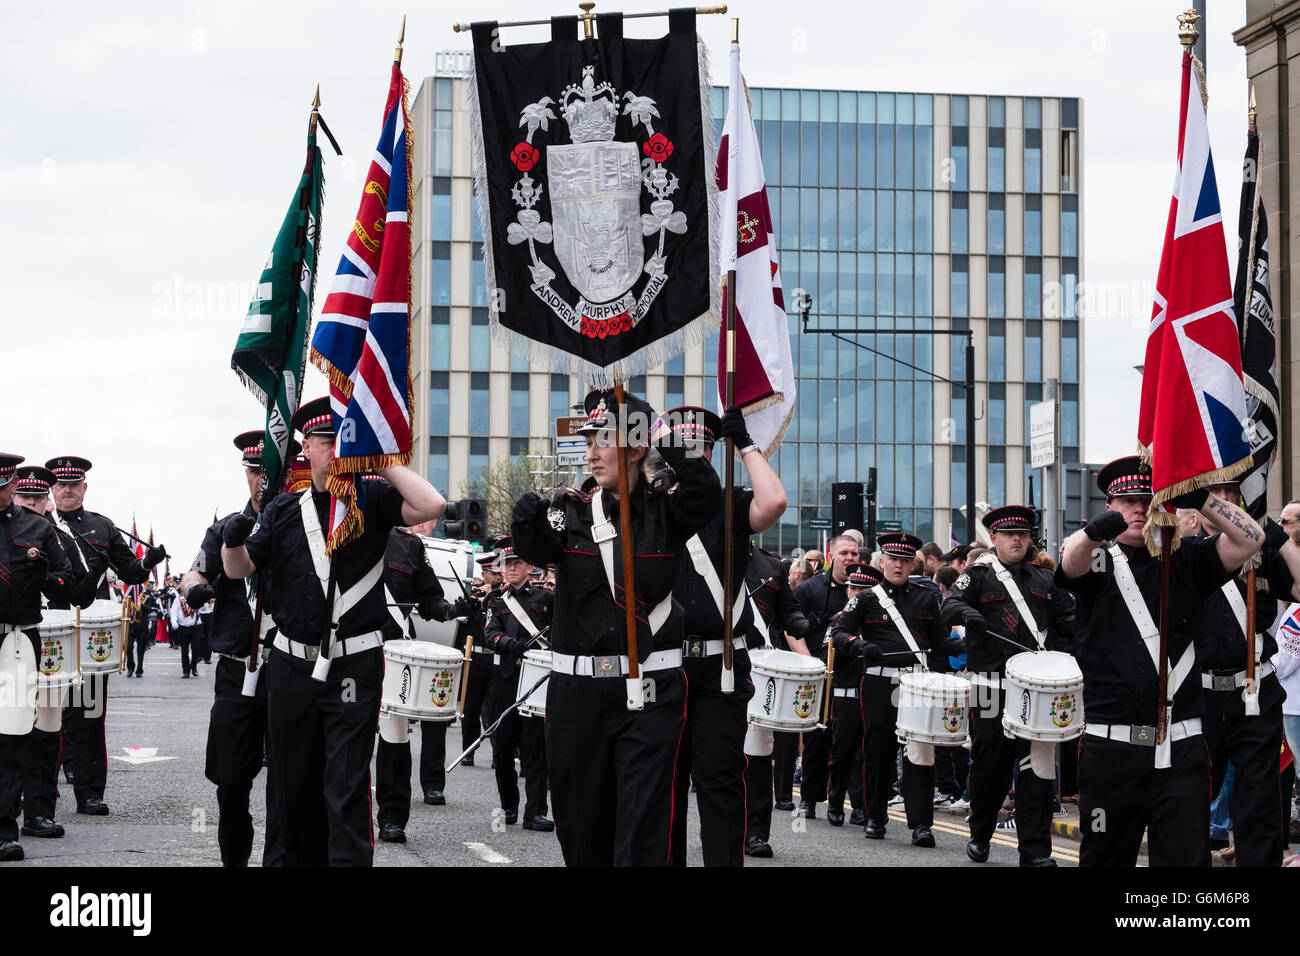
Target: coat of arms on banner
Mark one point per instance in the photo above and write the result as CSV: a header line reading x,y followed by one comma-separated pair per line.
x,y
593,175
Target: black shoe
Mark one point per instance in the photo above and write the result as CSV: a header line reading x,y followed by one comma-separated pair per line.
x,y
540,824
922,836
10,850
835,817
808,810
756,846
979,852
392,833
185,675
874,830
434,798
468,761
93,807
139,673
512,816
1039,861
42,827
786,805
858,817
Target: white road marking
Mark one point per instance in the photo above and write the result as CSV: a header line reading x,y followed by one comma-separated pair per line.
x,y
140,755
486,853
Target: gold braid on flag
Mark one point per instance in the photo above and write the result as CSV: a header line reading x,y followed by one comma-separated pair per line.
x,y
1157,517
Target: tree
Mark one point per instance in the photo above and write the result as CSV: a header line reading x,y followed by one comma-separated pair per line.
x,y
503,482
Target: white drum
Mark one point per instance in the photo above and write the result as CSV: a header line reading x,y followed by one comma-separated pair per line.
x,y
788,689
101,638
1044,697
56,664
17,684
531,668
421,680
932,709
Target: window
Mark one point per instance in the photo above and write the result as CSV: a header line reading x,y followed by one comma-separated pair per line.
x,y
789,234
848,167
478,460
997,160
475,223
884,284
846,284
884,153
848,227
828,200
479,419
519,403
904,219
960,111
923,282
1033,225
923,233
997,412
1033,351
866,154
885,220
960,222
1069,225
997,473
1069,354
440,212
1033,287
997,111
1069,288
923,159
1069,414
885,402
675,365
808,148
997,355
997,223
480,346
866,284
866,219
438,462
903,304
789,151
1069,160
478,280
675,391
560,396
903,156
808,228
518,448
440,274
960,289
828,304
442,140
439,338
923,422
439,404
1033,395
1033,161
866,396
997,297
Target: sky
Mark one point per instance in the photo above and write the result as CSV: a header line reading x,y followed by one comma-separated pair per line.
x,y
149,152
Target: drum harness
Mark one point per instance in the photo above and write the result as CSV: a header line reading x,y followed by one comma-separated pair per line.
x,y
1145,735
704,568
891,608
517,611
1221,682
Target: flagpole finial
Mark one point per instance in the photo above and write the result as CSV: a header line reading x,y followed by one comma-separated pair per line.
x,y
588,18
735,29
1252,106
315,102
1187,32
401,38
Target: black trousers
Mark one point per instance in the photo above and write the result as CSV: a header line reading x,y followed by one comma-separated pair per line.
x,y
844,771
321,737
85,749
526,733
1121,794
236,741
476,690
950,770
204,648
41,773
785,751
612,769
816,770
187,638
993,759
758,797
879,721
393,772
1251,743
712,753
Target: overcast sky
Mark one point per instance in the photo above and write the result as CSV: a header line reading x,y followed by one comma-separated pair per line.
x,y
148,153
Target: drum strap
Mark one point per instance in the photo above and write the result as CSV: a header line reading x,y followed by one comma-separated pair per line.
x,y
518,613
705,569
603,532
76,547
892,610
760,623
1007,581
349,598
1249,695
1141,615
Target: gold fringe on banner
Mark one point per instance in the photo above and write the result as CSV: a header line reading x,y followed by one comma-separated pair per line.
x,y
1157,517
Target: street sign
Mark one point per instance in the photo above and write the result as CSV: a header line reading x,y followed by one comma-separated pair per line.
x,y
1042,434
570,457
570,447
568,427
819,524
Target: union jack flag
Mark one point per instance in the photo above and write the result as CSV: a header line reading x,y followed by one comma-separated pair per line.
x,y
135,591
1191,423
363,339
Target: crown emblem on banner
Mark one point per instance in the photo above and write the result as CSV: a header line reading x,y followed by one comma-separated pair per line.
x,y
590,110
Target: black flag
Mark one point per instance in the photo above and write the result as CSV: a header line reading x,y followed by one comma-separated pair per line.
x,y
1253,302
593,170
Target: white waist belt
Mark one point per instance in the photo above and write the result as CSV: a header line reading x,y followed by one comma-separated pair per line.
x,y
886,671
339,647
1143,735
1234,681
611,666
695,647
844,692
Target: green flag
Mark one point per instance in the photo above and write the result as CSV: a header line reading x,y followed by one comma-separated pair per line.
x,y
271,353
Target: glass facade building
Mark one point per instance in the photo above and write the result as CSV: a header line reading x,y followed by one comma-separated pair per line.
x,y
898,214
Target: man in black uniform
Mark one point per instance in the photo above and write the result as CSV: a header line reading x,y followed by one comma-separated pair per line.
x,y
768,769
321,713
412,583
237,725
1129,782
889,627
844,771
820,598
31,561
101,547
514,622
990,599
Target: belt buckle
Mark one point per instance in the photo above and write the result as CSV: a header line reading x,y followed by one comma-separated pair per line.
x,y
606,666
600,533
1224,682
693,648
1144,735
312,652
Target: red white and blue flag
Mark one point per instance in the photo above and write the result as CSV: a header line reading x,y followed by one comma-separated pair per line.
x,y
362,341
135,591
764,370
1191,424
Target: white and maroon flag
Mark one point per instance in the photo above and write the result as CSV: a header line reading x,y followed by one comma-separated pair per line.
x,y
1192,420
764,380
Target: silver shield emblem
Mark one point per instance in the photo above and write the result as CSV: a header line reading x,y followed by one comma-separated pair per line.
x,y
596,204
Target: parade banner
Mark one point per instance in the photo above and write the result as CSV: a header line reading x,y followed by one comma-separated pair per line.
x,y
1253,304
363,339
270,354
764,370
1191,420
593,170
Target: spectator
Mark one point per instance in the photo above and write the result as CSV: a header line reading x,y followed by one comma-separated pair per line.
x,y
945,577
932,555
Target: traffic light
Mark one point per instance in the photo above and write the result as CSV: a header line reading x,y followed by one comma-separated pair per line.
x,y
466,519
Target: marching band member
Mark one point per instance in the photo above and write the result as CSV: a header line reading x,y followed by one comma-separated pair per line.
x,y
844,771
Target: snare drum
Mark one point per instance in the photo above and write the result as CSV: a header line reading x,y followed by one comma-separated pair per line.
x,y
531,668
101,644
56,664
1044,697
788,689
421,680
17,683
932,709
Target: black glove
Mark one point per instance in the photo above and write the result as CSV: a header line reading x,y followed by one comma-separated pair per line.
x,y
1106,526
511,646
662,480
39,562
798,629
237,530
733,427
199,595
529,508
1194,499
870,653
1274,534
153,556
976,629
466,607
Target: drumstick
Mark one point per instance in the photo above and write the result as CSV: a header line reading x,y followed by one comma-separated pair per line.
x,y
497,723
121,649
464,680
830,672
78,641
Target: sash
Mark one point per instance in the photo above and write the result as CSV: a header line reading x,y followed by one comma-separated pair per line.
x,y
704,568
892,610
76,544
761,624
518,613
1249,695
603,532
1007,581
346,600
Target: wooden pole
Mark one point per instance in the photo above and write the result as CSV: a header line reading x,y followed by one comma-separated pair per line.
x,y
1250,630
830,673
1162,687
729,486
635,690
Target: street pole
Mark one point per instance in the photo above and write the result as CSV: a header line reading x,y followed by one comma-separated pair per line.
x,y
871,507
970,441
1052,474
